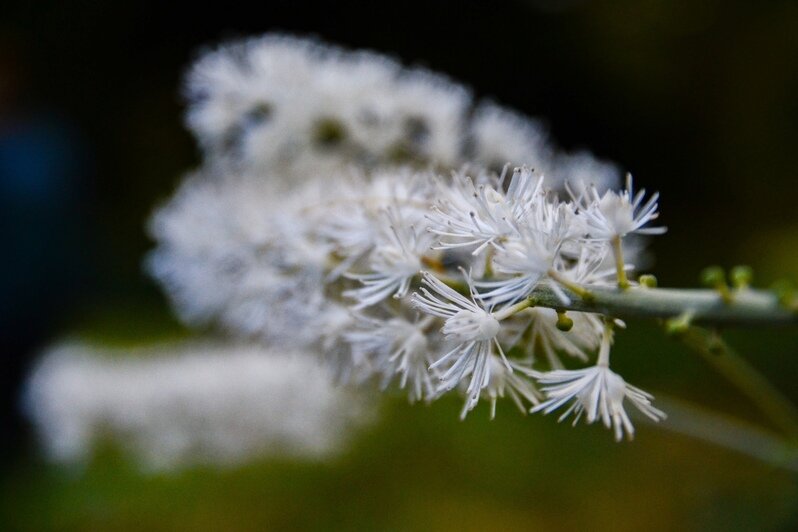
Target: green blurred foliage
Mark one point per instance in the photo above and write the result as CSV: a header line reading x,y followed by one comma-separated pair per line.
x,y
422,469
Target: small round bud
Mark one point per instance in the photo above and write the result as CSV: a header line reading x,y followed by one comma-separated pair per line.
x,y
741,276
713,276
564,323
678,325
675,327
648,281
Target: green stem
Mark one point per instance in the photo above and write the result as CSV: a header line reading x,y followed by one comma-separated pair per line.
x,y
514,309
718,354
583,293
620,266
725,431
749,307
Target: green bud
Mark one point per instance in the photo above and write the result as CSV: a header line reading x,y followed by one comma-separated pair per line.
x,y
679,325
649,281
713,276
564,323
741,276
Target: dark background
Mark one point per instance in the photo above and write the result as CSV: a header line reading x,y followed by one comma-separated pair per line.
x,y
696,98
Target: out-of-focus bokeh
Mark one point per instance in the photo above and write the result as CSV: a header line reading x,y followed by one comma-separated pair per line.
x,y
696,98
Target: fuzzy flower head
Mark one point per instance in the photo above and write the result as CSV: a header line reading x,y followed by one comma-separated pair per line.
x,y
395,260
472,329
300,105
597,393
229,253
466,320
471,324
525,258
512,382
470,215
535,331
395,347
619,214
515,287
310,224
364,211
502,136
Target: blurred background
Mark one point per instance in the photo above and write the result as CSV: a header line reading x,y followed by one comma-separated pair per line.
x,y
696,98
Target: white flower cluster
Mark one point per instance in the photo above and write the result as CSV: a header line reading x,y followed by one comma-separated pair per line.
x,y
293,107
196,403
408,277
304,231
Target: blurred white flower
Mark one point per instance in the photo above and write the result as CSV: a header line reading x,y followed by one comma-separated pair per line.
x,y
352,219
286,107
194,403
583,169
299,106
230,253
394,347
501,136
397,257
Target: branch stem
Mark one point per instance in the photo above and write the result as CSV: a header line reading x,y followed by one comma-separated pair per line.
x,y
706,307
747,379
620,266
725,431
514,309
577,289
